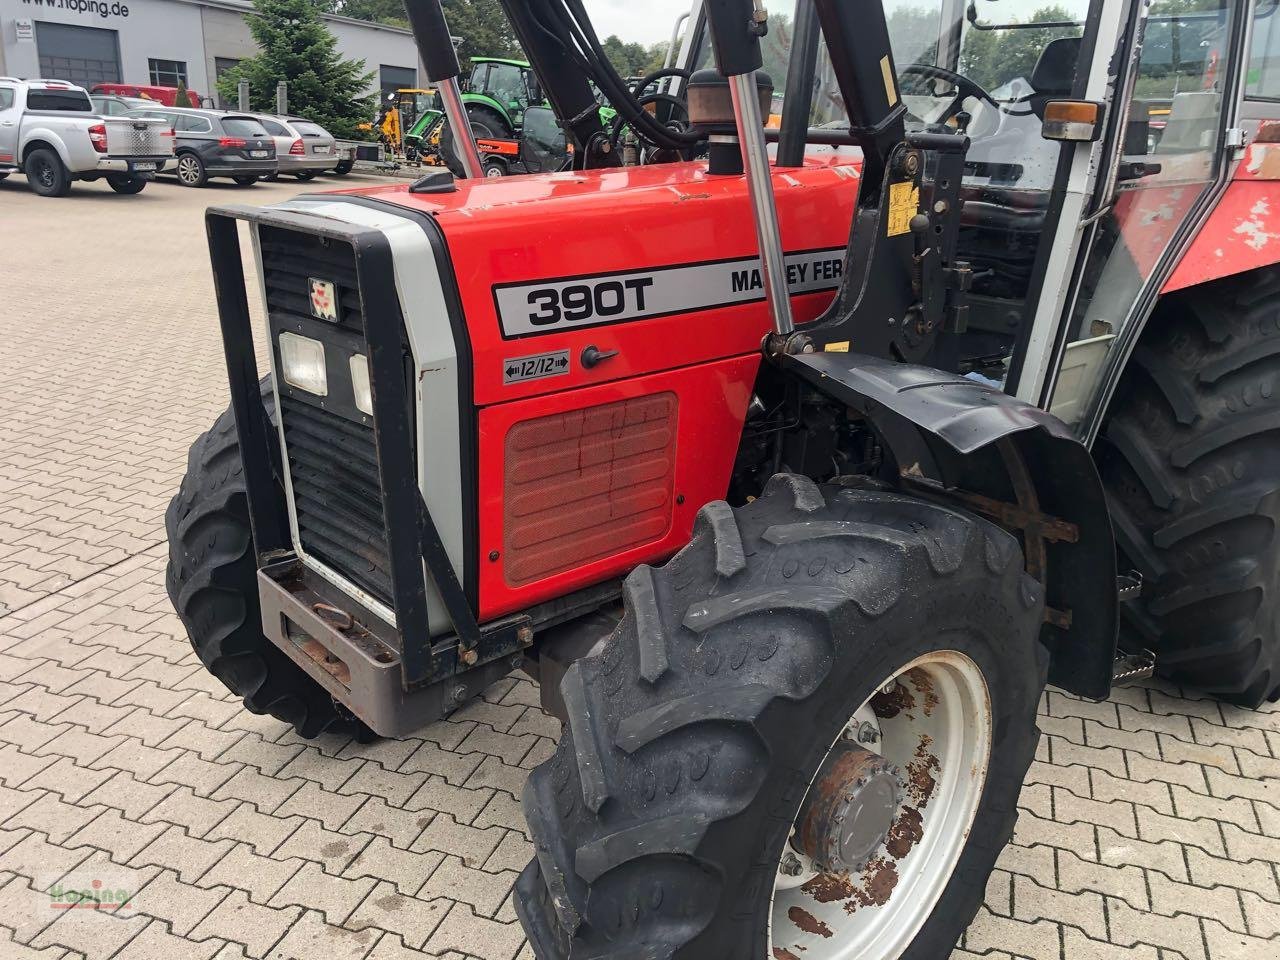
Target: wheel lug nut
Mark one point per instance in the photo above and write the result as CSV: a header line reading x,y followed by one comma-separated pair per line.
x,y
790,865
867,732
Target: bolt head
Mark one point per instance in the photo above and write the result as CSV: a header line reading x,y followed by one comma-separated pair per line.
x,y
867,732
790,865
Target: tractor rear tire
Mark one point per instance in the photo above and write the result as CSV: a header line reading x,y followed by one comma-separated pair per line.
x,y
1191,460
695,729
212,583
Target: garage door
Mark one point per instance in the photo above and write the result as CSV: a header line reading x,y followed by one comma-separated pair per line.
x,y
83,55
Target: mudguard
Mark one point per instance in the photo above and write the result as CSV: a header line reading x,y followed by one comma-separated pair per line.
x,y
959,439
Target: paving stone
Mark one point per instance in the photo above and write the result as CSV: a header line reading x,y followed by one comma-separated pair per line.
x,y
334,851
198,815
182,905
155,942
1180,934
407,870
385,908
128,795
189,856
94,933
335,897
261,831
260,877
312,937
399,826
265,793
462,930
121,838
1225,944
259,928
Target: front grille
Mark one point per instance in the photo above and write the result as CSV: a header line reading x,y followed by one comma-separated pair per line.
x,y
331,449
132,138
337,497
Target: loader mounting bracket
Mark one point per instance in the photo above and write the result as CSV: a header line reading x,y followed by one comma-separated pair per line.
x,y
956,439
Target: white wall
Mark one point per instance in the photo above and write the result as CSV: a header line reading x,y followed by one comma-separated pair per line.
x,y
150,28
175,30
376,47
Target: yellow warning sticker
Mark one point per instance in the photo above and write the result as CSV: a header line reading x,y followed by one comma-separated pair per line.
x,y
904,203
840,346
890,87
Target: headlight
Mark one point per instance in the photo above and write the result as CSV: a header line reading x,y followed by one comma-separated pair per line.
x,y
360,383
302,363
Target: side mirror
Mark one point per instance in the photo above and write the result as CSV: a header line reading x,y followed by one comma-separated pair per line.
x,y
534,89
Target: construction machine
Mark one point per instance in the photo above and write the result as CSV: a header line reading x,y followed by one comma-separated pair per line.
x,y
792,468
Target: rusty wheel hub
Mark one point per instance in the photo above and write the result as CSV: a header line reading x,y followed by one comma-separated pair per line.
x,y
850,809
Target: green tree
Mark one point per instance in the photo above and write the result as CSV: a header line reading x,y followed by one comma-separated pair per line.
x,y
629,59
295,46
992,57
180,99
481,25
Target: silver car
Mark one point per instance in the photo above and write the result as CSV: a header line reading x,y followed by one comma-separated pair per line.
x,y
303,148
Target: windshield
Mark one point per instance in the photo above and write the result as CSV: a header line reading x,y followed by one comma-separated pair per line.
x,y
996,44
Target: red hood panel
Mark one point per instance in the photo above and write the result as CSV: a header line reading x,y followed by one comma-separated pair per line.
x,y
645,259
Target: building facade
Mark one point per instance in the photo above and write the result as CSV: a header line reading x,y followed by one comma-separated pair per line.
x,y
162,41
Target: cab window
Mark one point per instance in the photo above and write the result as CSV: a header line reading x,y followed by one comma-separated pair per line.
x,y
6,98
1262,79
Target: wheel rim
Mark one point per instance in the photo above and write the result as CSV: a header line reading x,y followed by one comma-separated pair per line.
x,y
933,729
44,173
493,171
188,170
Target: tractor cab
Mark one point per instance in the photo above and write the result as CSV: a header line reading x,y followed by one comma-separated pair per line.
x,y
499,91
1114,197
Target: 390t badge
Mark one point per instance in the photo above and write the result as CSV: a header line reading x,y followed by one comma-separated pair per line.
x,y
324,299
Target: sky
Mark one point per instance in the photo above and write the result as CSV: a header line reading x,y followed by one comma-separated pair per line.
x,y
636,21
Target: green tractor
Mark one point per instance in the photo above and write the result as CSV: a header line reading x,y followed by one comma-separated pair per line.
x,y
497,94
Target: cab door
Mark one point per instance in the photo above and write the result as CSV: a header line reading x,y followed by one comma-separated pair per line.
x,y
1167,152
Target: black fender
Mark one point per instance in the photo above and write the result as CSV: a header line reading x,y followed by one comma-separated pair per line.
x,y
959,439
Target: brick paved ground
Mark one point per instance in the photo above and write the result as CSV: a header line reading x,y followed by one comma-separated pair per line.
x,y
1150,827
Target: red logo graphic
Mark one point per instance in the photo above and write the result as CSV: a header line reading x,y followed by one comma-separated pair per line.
x,y
324,299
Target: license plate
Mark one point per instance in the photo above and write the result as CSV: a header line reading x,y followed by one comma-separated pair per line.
x,y
147,165
320,149
258,154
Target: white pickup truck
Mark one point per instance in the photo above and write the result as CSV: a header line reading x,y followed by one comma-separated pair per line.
x,y
50,132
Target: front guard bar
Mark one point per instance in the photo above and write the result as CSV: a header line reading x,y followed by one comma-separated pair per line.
x,y
416,550
1013,462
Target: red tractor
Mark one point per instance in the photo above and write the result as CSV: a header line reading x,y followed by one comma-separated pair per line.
x,y
791,471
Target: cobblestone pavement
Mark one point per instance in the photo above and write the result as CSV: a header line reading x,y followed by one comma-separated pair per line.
x,y
1150,826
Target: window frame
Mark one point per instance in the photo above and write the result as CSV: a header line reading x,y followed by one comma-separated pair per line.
x,y
155,71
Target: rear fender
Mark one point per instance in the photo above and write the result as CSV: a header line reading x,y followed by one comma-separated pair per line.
x,y
960,440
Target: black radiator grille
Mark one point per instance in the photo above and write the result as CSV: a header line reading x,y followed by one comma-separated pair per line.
x,y
337,497
331,449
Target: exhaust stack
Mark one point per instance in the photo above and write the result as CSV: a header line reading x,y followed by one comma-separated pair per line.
x,y
435,46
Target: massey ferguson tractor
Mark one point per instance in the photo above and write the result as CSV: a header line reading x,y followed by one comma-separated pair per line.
x,y
791,463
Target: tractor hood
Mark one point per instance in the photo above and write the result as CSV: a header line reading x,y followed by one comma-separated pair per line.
x,y
658,264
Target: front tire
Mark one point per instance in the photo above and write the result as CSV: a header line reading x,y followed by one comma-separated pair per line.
x,y
212,582
494,169
46,173
190,170
662,823
1191,461
125,184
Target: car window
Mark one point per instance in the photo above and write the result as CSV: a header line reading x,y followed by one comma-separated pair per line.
x,y
192,124
6,98
309,129
74,101
275,129
243,127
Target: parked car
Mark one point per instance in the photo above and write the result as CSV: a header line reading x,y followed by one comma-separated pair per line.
x,y
303,148
50,131
117,105
214,143
153,92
